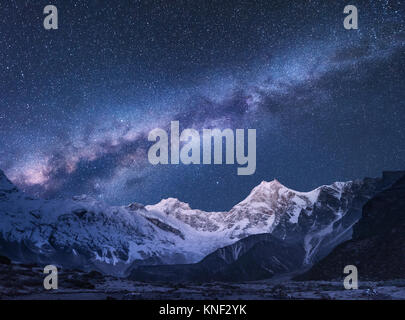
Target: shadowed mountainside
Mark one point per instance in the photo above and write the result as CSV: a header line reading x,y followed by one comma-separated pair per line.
x,y
377,248
253,258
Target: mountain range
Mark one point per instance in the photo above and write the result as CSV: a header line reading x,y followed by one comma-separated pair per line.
x,y
273,230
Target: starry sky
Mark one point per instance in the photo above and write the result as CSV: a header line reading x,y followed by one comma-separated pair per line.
x,y
77,103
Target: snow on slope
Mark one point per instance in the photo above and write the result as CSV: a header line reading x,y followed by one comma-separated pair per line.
x,y
318,220
269,208
263,209
84,229
258,213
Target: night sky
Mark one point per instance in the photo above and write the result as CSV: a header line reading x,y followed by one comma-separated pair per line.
x,y
77,103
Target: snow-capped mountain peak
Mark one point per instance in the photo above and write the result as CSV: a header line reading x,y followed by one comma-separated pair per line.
x,y
83,230
266,191
169,205
269,202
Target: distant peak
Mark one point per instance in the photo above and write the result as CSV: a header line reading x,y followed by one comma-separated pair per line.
x,y
173,203
272,183
171,200
134,206
264,190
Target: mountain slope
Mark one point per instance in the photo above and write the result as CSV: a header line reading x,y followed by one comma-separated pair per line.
x,y
253,258
378,245
318,220
84,232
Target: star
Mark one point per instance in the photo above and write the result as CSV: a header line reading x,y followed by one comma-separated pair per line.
x,y
78,103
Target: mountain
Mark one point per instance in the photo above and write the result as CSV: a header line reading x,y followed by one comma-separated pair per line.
x,y
303,227
253,258
317,220
377,248
87,233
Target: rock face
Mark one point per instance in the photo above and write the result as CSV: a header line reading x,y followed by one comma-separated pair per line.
x,y
84,232
377,248
317,220
252,258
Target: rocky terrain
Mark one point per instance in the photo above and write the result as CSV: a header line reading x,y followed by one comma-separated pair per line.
x,y
24,281
377,248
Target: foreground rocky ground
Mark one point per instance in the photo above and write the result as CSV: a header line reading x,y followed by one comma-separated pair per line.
x,y
24,281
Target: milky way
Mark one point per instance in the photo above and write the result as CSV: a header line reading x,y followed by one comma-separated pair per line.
x,y
77,103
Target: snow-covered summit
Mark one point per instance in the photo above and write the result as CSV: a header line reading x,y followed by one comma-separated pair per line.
x,y
273,195
263,209
87,232
170,205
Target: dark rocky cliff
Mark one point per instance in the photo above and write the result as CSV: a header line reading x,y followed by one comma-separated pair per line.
x,y
377,248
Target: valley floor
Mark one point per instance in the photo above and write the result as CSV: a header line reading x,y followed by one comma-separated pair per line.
x,y
19,281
